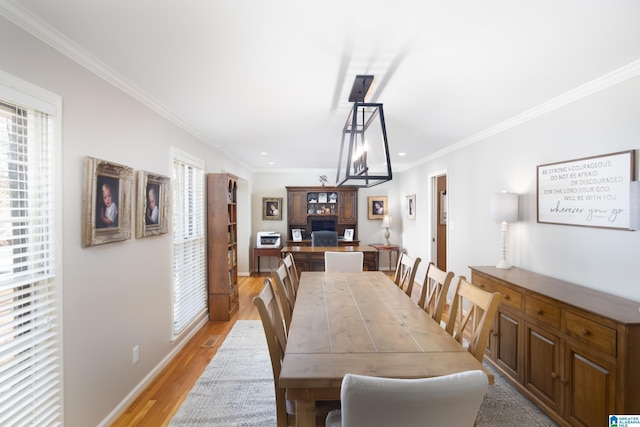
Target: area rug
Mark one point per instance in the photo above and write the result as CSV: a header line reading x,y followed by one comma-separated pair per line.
x,y
236,390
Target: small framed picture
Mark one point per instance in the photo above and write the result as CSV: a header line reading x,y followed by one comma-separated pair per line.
x,y
348,235
152,216
272,208
377,207
296,234
106,202
411,206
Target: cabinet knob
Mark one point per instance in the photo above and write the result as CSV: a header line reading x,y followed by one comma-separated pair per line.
x,y
564,381
538,311
505,296
481,285
554,375
583,331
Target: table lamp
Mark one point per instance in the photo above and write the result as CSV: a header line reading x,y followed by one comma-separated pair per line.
x,y
386,223
504,209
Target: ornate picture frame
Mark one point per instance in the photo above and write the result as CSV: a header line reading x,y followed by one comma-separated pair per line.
x,y
411,206
377,207
106,202
272,208
152,209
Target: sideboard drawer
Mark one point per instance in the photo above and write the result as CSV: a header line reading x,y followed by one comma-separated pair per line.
x,y
511,297
599,336
483,282
543,311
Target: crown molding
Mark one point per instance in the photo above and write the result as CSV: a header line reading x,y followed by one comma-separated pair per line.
x,y
34,25
619,75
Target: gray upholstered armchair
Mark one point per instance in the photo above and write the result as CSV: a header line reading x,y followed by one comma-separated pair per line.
x,y
324,238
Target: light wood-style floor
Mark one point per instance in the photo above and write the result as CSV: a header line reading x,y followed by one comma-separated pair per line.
x,y
159,402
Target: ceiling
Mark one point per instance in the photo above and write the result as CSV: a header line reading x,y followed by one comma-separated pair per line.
x,y
254,76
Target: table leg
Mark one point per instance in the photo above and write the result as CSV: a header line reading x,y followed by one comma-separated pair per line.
x,y
305,413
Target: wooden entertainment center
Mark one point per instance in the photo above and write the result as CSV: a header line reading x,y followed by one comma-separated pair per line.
x,y
321,208
571,350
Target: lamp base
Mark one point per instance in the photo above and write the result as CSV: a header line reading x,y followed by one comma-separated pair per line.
x,y
386,236
504,265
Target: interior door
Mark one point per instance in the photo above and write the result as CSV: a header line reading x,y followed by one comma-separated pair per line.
x,y
441,221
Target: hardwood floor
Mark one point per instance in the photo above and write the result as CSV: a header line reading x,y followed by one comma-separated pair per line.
x,y
159,402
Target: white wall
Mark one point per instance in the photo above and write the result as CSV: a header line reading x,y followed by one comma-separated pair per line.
x,y
603,259
117,295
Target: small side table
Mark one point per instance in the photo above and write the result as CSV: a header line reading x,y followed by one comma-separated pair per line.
x,y
258,252
390,249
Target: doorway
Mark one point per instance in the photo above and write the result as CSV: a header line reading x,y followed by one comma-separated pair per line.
x,y
439,215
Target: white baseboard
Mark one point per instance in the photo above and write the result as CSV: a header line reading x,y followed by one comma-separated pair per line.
x,y
139,388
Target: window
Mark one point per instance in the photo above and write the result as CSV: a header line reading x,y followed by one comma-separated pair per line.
x,y
189,244
30,292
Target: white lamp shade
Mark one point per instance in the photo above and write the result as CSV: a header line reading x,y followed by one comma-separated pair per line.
x,y
634,205
504,207
386,221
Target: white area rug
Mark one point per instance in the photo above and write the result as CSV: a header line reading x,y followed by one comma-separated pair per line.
x,y
236,389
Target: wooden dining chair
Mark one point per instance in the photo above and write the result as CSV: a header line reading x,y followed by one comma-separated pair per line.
x,y
435,288
290,262
273,324
449,400
343,262
471,316
406,272
285,291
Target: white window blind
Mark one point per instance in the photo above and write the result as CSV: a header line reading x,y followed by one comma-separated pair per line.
x,y
189,244
30,341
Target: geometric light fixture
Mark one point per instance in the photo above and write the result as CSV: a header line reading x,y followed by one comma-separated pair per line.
x,y
504,209
364,150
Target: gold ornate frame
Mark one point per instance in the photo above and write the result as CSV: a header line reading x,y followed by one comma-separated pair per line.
x,y
159,184
371,201
267,202
101,176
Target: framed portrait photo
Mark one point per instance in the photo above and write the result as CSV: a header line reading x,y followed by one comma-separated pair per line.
x,y
411,206
152,213
106,202
296,233
272,208
377,207
348,235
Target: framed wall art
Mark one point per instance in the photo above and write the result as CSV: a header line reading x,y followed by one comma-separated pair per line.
x,y
152,209
272,208
411,206
377,207
589,192
106,202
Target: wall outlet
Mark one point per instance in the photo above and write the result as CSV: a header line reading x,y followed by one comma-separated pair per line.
x,y
136,354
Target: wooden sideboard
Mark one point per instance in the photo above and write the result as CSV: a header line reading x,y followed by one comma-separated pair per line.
x,y
571,350
311,258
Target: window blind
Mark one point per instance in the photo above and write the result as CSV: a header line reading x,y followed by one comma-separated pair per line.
x,y
189,244
30,341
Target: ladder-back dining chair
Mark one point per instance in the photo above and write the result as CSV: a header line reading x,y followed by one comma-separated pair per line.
x,y
286,295
471,316
273,324
449,400
406,272
290,263
435,288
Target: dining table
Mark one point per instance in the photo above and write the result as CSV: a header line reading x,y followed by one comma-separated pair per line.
x,y
361,323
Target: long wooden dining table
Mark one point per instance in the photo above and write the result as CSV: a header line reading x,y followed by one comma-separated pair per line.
x,y
360,323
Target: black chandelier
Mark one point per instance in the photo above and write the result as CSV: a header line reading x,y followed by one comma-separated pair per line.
x,y
364,151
